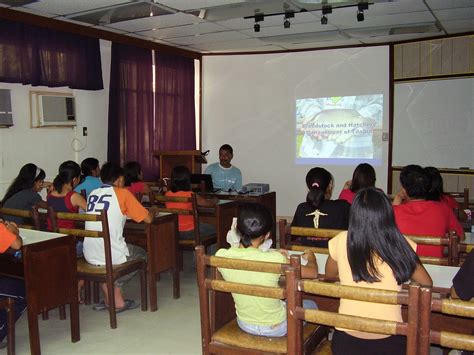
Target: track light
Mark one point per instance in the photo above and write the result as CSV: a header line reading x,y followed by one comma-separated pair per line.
x,y
288,15
256,27
360,16
326,9
363,6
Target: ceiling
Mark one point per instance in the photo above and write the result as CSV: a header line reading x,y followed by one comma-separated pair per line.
x,y
215,26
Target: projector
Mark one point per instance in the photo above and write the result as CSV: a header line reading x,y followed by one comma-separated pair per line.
x,y
255,188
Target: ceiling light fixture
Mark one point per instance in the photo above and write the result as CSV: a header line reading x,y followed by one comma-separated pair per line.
x,y
256,27
361,6
288,15
258,18
326,9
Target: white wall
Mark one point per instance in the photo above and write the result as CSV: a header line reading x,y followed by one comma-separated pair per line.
x,y
249,102
49,147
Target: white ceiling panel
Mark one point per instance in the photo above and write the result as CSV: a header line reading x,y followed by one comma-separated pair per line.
x,y
35,12
196,4
397,7
209,38
344,42
182,31
448,4
459,26
149,23
65,7
465,13
394,38
348,19
243,43
65,19
109,29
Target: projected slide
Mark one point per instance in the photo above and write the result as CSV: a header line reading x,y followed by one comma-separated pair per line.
x,y
339,130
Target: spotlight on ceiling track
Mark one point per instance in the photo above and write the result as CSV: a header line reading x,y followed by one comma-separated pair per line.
x,y
363,6
256,27
326,9
288,15
258,18
360,16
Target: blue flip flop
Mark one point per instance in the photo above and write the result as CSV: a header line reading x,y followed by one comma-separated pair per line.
x,y
129,304
100,306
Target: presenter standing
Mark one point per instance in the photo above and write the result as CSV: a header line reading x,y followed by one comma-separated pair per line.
x,y
225,176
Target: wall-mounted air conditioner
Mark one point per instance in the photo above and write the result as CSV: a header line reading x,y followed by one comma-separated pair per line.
x,y
52,109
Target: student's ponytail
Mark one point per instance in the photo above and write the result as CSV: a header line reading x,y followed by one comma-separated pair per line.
x,y
253,221
67,172
315,196
58,182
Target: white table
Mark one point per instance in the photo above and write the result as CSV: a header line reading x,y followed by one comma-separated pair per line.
x,y
442,275
31,236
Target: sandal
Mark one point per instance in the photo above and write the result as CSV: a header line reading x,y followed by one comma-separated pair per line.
x,y
100,306
129,304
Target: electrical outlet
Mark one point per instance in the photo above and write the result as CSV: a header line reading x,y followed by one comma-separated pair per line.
x,y
84,131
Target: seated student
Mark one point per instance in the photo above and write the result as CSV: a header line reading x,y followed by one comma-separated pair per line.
x,y
319,211
372,254
90,176
363,176
181,187
415,215
436,192
10,287
225,176
63,198
134,179
463,285
120,204
23,193
258,315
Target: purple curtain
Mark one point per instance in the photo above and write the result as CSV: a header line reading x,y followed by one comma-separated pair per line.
x,y
131,123
40,56
174,102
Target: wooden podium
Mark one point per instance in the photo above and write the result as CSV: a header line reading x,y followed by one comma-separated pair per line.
x,y
171,158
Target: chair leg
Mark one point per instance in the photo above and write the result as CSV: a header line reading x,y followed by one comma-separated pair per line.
x,y
176,283
74,315
180,261
11,327
152,291
87,292
45,315
62,312
143,288
96,292
111,299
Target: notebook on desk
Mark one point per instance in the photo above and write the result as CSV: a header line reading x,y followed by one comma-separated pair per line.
x,y
207,179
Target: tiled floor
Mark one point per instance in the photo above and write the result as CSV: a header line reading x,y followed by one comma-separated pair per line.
x,y
173,329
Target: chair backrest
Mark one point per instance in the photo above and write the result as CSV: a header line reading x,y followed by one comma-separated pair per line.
x,y
447,339
30,215
450,241
295,287
462,197
161,200
288,233
213,283
82,232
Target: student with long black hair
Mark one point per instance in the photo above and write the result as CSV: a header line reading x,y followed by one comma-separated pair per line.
x,y
63,198
363,176
372,254
90,178
23,193
319,211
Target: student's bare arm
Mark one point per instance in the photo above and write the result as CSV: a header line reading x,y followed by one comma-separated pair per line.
x,y
18,242
421,276
310,270
332,270
79,201
152,212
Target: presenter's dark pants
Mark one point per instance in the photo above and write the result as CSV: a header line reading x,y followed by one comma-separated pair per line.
x,y
344,344
15,289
